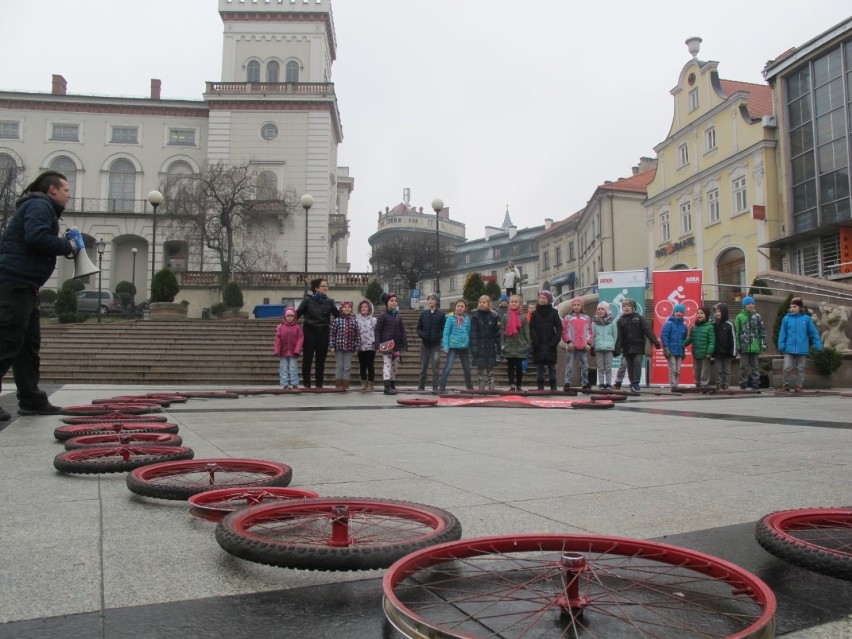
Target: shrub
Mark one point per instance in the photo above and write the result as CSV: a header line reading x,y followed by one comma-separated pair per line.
x,y
66,305
75,286
47,296
492,290
164,286
759,287
474,288
126,299
232,296
217,309
374,292
125,287
827,360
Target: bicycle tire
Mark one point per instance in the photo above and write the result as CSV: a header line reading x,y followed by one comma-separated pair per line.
x,y
181,479
593,404
819,539
213,505
419,402
301,534
607,397
587,586
130,438
117,459
208,395
132,399
115,418
94,410
63,433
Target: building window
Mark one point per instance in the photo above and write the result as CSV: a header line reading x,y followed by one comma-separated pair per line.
x,y
269,131
713,213
272,69
9,130
122,185
683,155
178,181
467,258
125,135
267,185
66,132
516,249
558,256
686,218
66,166
182,137
693,100
253,71
453,283
546,260
740,195
498,252
665,227
571,254
9,176
710,139
292,71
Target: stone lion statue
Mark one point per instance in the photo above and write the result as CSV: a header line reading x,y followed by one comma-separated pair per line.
x,y
834,320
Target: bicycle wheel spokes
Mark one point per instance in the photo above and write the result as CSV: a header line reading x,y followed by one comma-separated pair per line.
x,y
213,505
574,586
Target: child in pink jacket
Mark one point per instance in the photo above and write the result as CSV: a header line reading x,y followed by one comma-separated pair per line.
x,y
578,337
288,347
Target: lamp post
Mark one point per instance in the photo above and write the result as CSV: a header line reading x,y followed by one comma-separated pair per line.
x,y
100,245
155,198
133,252
437,206
307,202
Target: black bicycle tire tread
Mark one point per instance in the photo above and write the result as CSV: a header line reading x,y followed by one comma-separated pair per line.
x,y
791,550
330,559
182,493
94,467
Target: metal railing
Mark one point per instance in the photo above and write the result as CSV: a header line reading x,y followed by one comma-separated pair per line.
x,y
271,279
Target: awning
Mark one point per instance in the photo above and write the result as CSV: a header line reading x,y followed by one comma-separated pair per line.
x,y
562,279
804,236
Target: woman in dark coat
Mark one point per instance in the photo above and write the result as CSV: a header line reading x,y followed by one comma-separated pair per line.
x,y
545,333
316,311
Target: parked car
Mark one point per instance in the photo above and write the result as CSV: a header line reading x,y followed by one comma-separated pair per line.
x,y
87,302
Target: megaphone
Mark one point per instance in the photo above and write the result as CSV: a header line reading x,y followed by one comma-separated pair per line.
x,y
83,266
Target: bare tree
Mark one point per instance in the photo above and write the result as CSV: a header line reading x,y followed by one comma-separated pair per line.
x,y
224,212
10,188
410,257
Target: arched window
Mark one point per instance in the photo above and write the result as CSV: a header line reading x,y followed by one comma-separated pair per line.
x,y
267,185
66,166
272,70
178,180
292,71
8,186
253,71
122,185
731,274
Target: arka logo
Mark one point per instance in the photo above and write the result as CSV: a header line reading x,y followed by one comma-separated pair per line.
x,y
605,280
693,279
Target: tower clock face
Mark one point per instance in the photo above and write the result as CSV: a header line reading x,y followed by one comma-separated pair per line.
x,y
691,79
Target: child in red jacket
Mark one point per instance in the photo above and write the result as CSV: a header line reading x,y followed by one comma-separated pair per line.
x,y
288,347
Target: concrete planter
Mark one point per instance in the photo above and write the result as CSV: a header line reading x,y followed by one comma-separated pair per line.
x,y
841,378
167,311
234,315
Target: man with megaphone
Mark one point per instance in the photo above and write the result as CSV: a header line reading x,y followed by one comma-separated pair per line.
x,y
28,251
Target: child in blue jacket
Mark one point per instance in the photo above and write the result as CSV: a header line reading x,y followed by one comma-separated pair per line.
x,y
673,337
456,343
798,335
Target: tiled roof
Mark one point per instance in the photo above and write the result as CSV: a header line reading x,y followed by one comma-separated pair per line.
x,y
635,183
759,96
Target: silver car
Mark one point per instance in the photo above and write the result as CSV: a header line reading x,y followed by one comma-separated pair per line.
x,y
87,302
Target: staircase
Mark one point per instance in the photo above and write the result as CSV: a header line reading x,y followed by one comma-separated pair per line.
x,y
190,352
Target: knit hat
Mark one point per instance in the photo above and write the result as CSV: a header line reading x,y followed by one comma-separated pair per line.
x,y
432,296
346,303
604,306
797,301
629,302
578,299
504,298
386,297
706,310
289,311
679,308
547,294
748,300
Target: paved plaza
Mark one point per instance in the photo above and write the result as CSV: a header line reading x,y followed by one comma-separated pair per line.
x,y
83,557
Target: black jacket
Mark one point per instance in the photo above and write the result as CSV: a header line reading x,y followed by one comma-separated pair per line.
x,y
726,341
390,327
545,333
317,314
484,338
430,327
632,331
31,243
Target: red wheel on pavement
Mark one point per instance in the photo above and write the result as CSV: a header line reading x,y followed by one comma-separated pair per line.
x,y
182,479
578,586
106,409
114,418
417,401
172,397
592,404
606,397
132,399
129,439
334,533
818,539
276,390
63,433
208,395
213,505
117,459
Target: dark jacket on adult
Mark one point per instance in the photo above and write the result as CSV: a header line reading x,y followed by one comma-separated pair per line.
x,y
632,332
31,243
484,338
389,326
545,333
726,339
430,327
316,313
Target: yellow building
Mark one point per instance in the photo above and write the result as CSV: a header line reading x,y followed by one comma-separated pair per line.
x,y
713,201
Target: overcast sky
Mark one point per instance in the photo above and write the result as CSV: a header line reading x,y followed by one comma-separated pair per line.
x,y
484,103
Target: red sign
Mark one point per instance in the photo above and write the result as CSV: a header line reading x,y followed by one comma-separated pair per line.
x,y
670,288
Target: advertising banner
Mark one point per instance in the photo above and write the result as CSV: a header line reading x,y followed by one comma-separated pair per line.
x,y
613,287
670,288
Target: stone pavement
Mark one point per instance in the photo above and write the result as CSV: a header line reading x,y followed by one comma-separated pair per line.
x,y
83,557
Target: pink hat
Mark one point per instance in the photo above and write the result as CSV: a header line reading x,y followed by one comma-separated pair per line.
x,y
604,306
289,311
578,299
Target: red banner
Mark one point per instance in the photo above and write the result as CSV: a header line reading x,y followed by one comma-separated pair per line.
x,y
670,288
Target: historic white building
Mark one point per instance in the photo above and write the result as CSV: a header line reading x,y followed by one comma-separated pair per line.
x,y
274,108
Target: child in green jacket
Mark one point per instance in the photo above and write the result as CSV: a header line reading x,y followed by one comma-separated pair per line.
x,y
702,336
751,341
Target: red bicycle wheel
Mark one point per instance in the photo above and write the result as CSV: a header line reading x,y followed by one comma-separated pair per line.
x,y
181,480
414,401
117,459
607,397
581,586
63,433
106,409
132,399
593,404
127,438
208,395
334,533
213,505
174,398
818,539
114,418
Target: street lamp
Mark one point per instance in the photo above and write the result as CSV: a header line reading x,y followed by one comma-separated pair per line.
x,y
155,198
307,203
100,245
133,252
437,206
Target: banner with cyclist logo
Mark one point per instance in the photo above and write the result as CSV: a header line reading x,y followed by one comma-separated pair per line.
x,y
670,288
614,287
